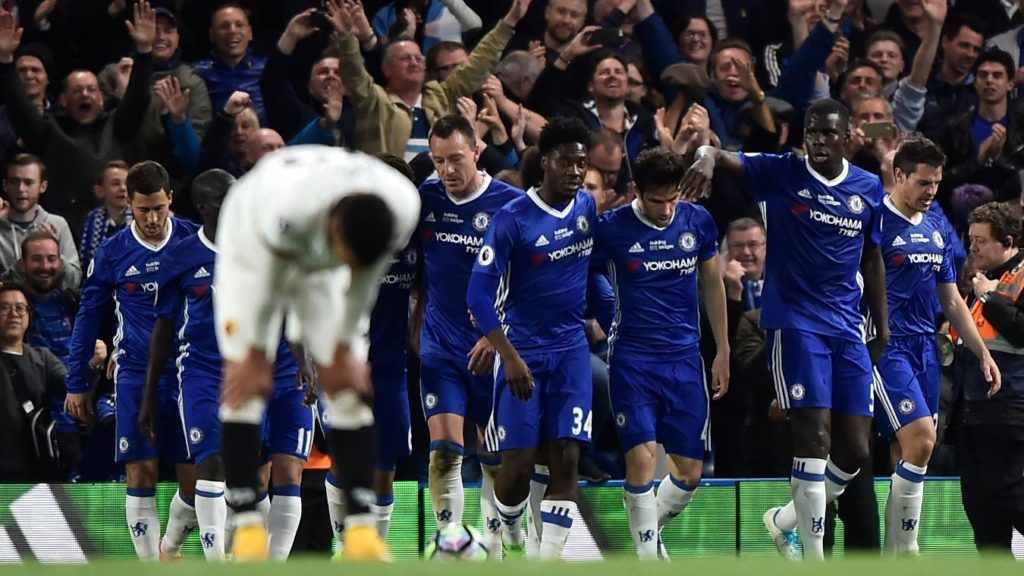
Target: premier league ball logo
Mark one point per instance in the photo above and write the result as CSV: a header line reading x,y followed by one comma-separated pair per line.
x,y
486,256
481,221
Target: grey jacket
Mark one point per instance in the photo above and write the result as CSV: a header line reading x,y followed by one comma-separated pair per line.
x,y
11,235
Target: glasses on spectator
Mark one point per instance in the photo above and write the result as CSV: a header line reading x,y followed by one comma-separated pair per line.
x,y
691,34
17,309
747,245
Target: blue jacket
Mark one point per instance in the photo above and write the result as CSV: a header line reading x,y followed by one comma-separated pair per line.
x,y
222,81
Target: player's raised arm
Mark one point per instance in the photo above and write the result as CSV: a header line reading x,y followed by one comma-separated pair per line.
x,y
697,181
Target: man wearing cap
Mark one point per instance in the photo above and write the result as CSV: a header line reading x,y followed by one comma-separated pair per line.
x,y
152,142
32,65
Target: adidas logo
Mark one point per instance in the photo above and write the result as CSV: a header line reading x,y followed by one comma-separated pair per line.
x,y
133,271
899,241
202,273
542,241
805,193
636,248
430,218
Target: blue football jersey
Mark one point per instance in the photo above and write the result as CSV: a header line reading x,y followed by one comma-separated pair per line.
x,y
540,256
654,272
816,232
918,255
186,287
451,233
389,321
124,270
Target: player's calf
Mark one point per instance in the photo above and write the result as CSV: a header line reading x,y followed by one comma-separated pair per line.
x,y
906,494
445,481
558,510
490,466
384,504
511,491
211,506
140,507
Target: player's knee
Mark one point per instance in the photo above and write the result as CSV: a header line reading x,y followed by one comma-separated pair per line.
x,y
919,452
142,473
286,470
640,464
445,457
812,443
210,468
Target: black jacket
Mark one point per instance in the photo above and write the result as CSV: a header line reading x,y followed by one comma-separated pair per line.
x,y
44,381
962,164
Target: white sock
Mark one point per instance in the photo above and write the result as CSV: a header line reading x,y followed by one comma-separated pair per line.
x,y
511,521
263,506
283,520
444,478
212,512
642,511
889,535
907,493
534,526
557,516
489,512
181,521
809,499
836,481
336,509
382,512
143,522
673,497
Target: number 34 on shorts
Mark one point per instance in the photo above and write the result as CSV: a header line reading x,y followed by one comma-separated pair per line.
x,y
579,423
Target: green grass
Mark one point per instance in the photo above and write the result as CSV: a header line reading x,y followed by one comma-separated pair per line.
x,y
321,566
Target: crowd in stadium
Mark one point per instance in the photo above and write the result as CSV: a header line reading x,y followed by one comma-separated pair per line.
x,y
90,89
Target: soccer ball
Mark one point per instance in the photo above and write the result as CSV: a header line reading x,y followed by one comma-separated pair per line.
x,y
456,543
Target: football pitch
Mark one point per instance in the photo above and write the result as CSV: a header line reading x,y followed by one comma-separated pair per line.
x,y
847,566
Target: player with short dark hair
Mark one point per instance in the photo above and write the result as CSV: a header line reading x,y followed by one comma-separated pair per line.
x,y
318,258
533,270
456,360
657,251
919,266
821,214
125,272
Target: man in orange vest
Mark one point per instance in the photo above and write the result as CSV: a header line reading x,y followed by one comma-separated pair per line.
x,y
990,446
